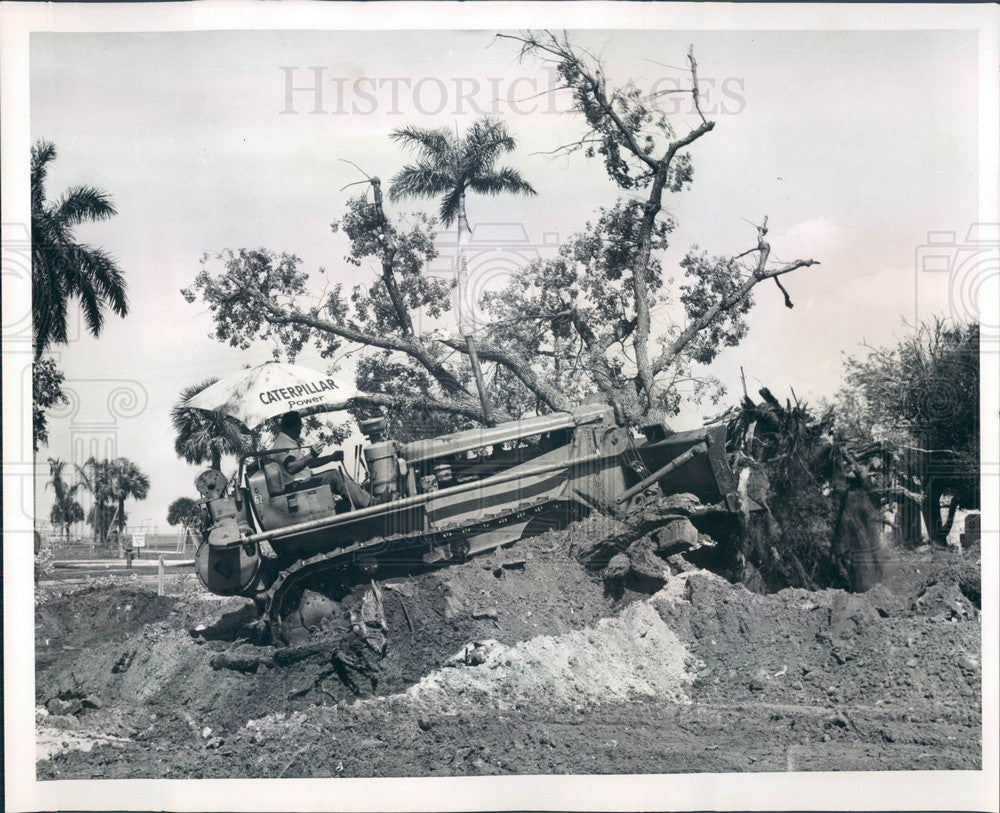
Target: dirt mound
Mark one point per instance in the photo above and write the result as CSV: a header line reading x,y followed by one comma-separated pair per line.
x,y
554,677
630,655
193,662
877,648
95,614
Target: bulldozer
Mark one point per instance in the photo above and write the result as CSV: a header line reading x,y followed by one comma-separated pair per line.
x,y
442,500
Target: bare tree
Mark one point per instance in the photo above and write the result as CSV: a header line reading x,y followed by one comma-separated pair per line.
x,y
642,150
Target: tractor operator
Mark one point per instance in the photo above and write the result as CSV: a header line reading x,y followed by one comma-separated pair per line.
x,y
294,462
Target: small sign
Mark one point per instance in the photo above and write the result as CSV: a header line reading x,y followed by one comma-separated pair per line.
x,y
138,540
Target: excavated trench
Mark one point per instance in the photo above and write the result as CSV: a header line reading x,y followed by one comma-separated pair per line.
x,y
522,661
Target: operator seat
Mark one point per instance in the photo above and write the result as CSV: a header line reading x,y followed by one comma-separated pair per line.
x,y
280,482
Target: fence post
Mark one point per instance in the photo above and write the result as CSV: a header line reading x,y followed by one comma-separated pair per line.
x,y
160,591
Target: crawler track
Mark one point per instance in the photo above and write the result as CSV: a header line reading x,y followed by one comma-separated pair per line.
x,y
375,550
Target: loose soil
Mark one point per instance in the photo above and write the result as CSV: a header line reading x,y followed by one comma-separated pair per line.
x,y
526,668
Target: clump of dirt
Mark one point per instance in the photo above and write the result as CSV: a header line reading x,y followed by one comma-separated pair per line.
x,y
658,539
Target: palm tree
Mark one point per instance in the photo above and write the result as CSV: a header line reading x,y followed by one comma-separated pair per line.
x,y
65,510
111,482
127,480
101,517
95,478
183,511
450,165
61,268
188,514
203,437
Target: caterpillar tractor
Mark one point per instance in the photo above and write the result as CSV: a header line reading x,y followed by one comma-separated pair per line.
x,y
440,501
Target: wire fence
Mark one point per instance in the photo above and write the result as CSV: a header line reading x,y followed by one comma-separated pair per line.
x,y
79,546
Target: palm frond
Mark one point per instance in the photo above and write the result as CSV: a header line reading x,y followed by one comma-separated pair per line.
x,y
190,392
46,296
139,485
436,145
48,292
419,180
56,467
81,285
199,433
83,203
451,205
504,180
127,480
233,437
42,152
87,474
62,269
484,142
104,276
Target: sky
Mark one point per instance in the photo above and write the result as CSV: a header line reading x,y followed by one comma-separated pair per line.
x,y
856,145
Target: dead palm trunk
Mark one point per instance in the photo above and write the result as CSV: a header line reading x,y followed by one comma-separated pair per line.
x,y
465,316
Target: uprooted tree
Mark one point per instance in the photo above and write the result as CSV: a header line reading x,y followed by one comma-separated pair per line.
x,y
562,329
808,513
819,526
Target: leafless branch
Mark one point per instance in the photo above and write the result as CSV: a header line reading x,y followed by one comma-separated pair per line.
x,y
788,299
353,183
568,149
760,273
694,83
359,169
